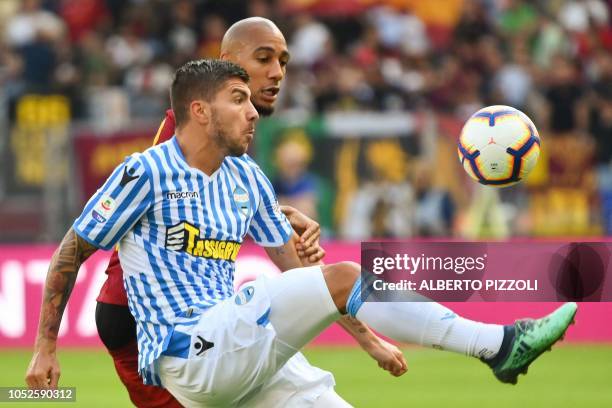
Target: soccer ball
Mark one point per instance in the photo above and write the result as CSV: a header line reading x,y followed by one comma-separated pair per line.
x,y
499,146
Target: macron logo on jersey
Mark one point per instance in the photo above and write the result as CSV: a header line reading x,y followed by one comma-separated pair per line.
x,y
186,237
178,195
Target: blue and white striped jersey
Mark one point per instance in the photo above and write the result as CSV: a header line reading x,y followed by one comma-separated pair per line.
x,y
179,231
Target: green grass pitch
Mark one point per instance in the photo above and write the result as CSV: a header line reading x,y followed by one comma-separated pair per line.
x,y
570,376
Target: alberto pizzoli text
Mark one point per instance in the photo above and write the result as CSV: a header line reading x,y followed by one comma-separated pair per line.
x,y
519,285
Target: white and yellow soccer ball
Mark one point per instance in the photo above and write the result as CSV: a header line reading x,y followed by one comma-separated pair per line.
x,y
499,146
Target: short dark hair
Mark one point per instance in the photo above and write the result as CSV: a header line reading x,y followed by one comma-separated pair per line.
x,y
200,79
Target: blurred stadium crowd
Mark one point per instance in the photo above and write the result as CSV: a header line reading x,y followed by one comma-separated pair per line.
x,y
432,62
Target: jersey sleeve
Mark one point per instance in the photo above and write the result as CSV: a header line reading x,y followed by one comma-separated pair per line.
x,y
114,209
269,226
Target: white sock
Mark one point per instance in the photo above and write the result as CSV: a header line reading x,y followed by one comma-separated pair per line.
x,y
432,325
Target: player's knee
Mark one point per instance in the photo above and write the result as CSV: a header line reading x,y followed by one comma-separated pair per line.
x,y
345,273
340,279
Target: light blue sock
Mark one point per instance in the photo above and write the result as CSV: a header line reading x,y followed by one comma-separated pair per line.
x,y
412,318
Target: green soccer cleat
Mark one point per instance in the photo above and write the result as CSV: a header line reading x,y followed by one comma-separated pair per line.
x,y
527,339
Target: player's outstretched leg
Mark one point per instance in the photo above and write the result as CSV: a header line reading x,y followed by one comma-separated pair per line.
x,y
412,318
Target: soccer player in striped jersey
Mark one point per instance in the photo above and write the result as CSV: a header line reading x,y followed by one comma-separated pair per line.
x,y
117,327
257,45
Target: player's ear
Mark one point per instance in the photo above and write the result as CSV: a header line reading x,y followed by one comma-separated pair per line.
x,y
200,111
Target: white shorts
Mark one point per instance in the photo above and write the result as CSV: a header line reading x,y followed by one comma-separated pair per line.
x,y
244,350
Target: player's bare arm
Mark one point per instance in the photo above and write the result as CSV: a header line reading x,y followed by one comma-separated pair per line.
x,y
44,371
389,357
285,257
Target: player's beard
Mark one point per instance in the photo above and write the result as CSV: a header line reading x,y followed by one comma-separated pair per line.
x,y
222,139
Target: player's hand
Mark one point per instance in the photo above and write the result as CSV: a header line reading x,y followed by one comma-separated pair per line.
x,y
43,372
389,357
309,232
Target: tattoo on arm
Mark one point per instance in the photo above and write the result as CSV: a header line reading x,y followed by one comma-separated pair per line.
x,y
361,328
285,257
354,326
65,264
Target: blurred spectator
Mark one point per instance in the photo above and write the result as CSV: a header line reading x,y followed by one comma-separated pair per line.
x,y
367,50
601,129
262,8
518,18
564,94
147,86
82,16
297,95
402,31
33,33
213,28
382,205
486,216
95,61
473,24
467,97
576,16
127,48
294,185
342,87
600,75
513,80
32,24
434,209
440,17
309,41
550,40
182,36
67,77
441,95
